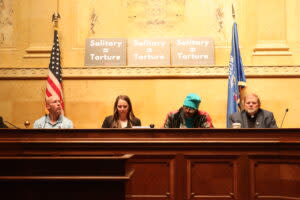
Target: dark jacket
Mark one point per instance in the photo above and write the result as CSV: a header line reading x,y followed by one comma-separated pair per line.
x,y
2,125
176,119
108,121
264,119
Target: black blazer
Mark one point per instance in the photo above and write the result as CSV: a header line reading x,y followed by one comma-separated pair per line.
x,y
264,119
109,120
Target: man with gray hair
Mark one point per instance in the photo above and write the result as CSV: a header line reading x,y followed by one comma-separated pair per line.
x,y
253,116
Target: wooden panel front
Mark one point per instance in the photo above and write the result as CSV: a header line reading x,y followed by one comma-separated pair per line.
x,y
61,166
211,178
61,190
153,178
63,177
275,178
176,164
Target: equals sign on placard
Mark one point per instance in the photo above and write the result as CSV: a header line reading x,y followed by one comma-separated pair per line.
x,y
192,49
105,50
149,50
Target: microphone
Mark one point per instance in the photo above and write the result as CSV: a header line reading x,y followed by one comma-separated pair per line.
x,y
152,125
12,124
286,110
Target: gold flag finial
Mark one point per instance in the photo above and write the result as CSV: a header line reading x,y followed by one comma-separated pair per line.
x,y
55,18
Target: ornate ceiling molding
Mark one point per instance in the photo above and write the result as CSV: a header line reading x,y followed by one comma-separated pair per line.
x,y
150,72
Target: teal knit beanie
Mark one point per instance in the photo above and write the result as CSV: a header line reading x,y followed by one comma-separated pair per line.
x,y
192,101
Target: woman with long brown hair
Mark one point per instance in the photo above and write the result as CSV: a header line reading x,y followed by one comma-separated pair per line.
x,y
123,116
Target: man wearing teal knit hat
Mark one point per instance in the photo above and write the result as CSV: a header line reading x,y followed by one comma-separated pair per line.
x,y
188,116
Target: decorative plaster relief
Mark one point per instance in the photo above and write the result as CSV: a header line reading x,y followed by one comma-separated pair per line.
x,y
150,72
93,21
6,23
155,14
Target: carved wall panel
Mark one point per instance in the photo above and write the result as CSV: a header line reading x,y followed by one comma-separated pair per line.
x,y
7,15
298,24
271,28
98,19
8,31
266,28
40,28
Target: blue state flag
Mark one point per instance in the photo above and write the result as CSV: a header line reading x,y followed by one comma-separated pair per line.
x,y
236,77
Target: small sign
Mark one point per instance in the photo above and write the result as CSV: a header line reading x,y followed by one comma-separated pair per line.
x,y
148,52
105,51
193,51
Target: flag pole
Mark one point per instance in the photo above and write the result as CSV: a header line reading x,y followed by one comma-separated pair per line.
x,y
54,80
236,77
56,16
240,85
57,6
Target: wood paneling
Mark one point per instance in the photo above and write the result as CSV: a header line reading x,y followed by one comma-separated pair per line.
x,y
69,177
153,178
175,164
211,178
275,177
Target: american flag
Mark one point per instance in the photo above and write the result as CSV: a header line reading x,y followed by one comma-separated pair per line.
x,y
54,81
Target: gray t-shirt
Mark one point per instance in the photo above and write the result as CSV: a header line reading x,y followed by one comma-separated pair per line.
x,y
44,122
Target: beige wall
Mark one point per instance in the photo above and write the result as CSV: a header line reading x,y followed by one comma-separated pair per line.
x,y
268,29
89,101
269,40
